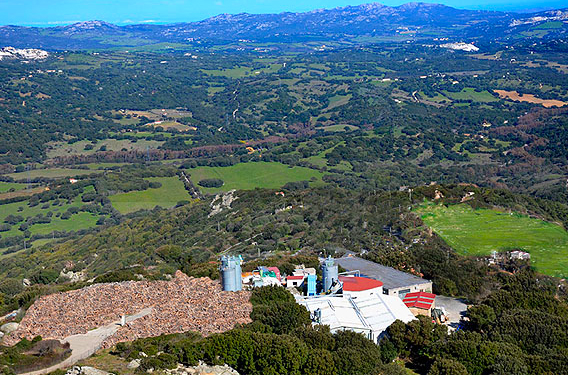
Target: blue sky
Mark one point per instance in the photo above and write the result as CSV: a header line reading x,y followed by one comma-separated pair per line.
x,y
51,12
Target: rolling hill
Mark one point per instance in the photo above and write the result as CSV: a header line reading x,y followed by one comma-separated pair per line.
x,y
412,20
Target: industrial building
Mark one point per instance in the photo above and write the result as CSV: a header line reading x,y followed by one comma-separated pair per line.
x,y
369,314
360,286
395,283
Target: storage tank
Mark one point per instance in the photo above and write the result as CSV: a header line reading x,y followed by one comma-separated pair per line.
x,y
311,285
231,273
330,273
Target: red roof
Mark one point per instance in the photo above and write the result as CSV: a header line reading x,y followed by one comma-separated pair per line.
x,y
294,277
422,300
358,284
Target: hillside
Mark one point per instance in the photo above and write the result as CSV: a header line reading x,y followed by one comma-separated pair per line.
x,y
408,21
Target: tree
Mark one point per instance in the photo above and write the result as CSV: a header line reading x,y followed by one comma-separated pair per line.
x,y
443,366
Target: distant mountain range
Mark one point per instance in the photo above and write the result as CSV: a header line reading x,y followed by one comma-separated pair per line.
x,y
408,21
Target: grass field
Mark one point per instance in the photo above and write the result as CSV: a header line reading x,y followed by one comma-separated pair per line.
x,y
81,220
248,176
337,128
168,195
78,148
479,232
7,186
470,94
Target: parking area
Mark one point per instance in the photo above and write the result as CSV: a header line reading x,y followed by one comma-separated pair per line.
x,y
455,309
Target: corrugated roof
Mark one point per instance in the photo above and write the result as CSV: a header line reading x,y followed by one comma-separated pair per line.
x,y
390,277
294,277
422,300
366,313
358,284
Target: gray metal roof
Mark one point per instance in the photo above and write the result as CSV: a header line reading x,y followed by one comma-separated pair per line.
x,y
390,277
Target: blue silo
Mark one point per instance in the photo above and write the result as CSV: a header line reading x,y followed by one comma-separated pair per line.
x,y
330,273
231,273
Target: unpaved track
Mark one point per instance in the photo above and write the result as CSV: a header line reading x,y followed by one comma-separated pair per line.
x,y
85,345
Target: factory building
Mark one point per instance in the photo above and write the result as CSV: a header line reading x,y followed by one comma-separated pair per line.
x,y
369,314
360,286
395,283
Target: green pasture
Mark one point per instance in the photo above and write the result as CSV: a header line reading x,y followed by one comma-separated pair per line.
x,y
248,176
480,232
78,148
81,220
7,186
470,94
168,195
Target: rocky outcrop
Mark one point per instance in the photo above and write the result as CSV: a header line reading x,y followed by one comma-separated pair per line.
x,y
24,54
86,370
202,369
9,328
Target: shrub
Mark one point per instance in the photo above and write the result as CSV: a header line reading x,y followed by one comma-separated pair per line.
x,y
211,183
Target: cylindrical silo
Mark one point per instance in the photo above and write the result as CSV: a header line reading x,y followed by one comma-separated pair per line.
x,y
231,273
330,273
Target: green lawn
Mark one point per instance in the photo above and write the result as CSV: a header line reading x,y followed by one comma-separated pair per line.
x,y
248,176
479,232
168,195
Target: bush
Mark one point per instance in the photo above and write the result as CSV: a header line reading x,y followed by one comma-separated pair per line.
x,y
211,183
46,276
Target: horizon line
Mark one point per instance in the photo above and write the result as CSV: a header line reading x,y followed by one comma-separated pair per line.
x,y
128,22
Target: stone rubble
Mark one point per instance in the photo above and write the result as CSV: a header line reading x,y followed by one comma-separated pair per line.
x,y
202,369
86,370
181,305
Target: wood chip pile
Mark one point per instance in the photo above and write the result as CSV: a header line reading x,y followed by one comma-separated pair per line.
x,y
181,305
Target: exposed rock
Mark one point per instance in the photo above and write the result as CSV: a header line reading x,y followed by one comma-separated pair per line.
x,y
222,201
29,54
467,47
202,369
74,277
86,370
438,194
26,282
9,327
1,335
135,363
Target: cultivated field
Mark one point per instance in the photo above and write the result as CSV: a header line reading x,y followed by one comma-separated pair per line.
x,y
514,95
168,195
479,232
248,176
64,149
